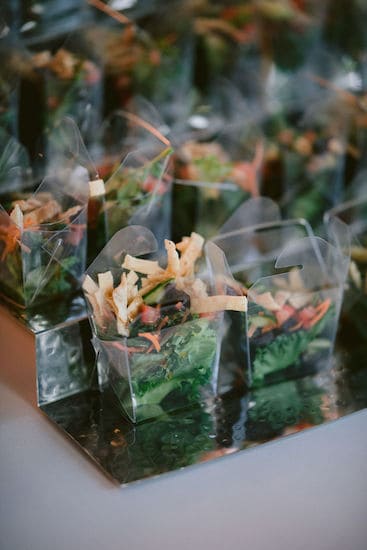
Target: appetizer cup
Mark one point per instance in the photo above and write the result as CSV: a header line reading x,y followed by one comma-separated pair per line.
x,y
43,238
71,82
43,242
158,332
212,181
293,316
138,190
292,310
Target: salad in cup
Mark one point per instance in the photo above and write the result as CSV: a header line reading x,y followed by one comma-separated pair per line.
x,y
158,329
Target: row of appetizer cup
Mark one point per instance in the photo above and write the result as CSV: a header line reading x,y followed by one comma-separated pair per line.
x,y
177,324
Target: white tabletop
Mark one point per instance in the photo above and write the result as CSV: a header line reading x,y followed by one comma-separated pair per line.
x,y
307,491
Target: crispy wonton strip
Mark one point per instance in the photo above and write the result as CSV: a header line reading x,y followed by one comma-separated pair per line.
x,y
191,254
70,212
182,245
212,304
266,301
89,285
119,298
173,260
300,299
146,267
105,281
17,216
295,280
44,213
134,307
27,205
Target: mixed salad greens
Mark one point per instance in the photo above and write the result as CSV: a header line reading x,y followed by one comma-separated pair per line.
x,y
289,327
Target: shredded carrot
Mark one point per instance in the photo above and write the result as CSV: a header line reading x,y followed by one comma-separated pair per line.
x,y
11,237
269,327
152,338
111,12
296,327
147,126
163,322
321,310
129,349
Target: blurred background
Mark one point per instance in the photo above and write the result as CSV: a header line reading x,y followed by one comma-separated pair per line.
x,y
276,86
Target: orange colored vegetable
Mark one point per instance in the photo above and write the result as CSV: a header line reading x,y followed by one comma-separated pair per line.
x,y
11,237
320,312
152,338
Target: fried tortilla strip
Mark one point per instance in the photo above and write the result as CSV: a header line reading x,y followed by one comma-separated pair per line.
x,y
119,298
91,289
195,288
70,213
134,307
266,301
89,285
132,278
28,205
43,214
182,245
191,254
173,260
213,304
17,216
146,267
105,287
295,280
132,289
300,299
105,281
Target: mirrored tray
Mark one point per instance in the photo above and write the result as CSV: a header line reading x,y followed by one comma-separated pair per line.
x,y
129,453
68,394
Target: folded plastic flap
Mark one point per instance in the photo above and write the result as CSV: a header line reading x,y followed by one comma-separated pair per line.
x,y
15,171
66,153
126,131
134,240
322,263
252,212
220,275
